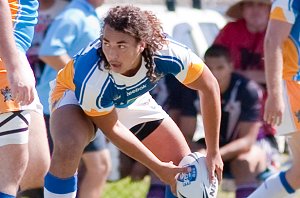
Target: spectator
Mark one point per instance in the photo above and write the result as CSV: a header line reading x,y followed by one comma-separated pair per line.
x,y
108,84
24,152
282,43
244,38
244,159
48,9
72,30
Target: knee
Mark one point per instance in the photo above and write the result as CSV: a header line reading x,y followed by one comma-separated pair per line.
x,y
67,147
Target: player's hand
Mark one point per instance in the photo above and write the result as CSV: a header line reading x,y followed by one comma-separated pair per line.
x,y
274,108
22,84
215,166
168,174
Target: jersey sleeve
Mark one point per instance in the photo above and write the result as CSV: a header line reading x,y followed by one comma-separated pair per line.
x,y
180,61
285,10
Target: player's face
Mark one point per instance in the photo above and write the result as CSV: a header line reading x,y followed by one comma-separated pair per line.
x,y
221,69
122,51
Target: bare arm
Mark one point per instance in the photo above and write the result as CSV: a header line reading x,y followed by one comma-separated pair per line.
x,y
116,132
277,33
22,86
247,136
56,62
211,110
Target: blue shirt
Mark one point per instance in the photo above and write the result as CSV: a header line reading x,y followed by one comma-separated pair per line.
x,y
72,30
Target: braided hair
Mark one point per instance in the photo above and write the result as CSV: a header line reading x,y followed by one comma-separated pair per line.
x,y
143,26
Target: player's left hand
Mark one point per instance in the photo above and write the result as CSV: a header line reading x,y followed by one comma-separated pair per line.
x,y
215,166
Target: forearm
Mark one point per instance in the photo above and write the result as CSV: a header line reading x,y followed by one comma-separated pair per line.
x,y
211,111
273,66
131,146
56,62
8,49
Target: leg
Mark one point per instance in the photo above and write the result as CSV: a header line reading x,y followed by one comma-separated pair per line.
x,y
284,184
156,142
245,169
167,131
39,157
96,159
293,174
13,150
71,131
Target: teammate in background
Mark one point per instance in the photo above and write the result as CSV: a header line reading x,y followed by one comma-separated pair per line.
x,y
107,85
47,10
241,106
24,152
282,46
73,29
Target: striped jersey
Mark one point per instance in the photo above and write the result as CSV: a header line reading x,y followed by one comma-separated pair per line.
x,y
289,11
99,90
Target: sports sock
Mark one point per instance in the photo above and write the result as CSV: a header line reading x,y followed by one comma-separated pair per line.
x,y
276,186
31,193
60,187
4,195
169,193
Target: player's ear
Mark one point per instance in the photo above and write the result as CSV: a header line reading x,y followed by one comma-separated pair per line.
x,y
142,46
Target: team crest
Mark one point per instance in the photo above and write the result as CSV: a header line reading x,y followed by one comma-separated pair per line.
x,y
297,114
6,92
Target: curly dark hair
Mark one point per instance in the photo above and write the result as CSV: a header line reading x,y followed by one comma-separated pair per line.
x,y
142,25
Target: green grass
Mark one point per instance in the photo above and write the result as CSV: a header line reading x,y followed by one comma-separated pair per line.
x,y
125,188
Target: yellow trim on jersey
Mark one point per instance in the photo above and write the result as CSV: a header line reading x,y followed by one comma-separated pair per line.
x,y
94,113
290,56
278,14
64,81
193,73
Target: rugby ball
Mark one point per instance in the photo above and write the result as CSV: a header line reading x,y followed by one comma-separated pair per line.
x,y
195,184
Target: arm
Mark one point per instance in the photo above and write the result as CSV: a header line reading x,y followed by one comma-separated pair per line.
x,y
247,136
117,133
273,67
22,86
56,62
209,94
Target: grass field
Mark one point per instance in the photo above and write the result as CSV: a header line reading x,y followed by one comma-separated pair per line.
x,y
124,188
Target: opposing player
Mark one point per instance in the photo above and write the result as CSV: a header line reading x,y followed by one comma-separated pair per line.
x,y
107,85
282,47
23,143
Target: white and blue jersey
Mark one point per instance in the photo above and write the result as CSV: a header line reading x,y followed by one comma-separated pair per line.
x,y
98,90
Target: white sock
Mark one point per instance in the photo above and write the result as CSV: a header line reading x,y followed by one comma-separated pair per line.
x,y
271,188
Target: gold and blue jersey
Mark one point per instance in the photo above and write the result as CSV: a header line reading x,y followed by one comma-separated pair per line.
x,y
24,17
289,11
99,90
